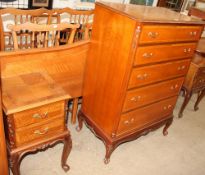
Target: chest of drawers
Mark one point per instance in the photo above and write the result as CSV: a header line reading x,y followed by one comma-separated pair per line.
x,y
34,117
136,66
194,82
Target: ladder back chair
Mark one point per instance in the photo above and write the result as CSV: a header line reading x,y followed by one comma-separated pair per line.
x,y
82,17
41,36
18,16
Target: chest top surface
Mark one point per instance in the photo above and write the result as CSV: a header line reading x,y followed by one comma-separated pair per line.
x,y
30,90
150,14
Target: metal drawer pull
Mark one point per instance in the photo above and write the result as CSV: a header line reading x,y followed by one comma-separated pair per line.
x,y
181,67
142,77
153,34
37,115
147,55
174,87
167,107
187,50
135,98
193,33
38,132
126,122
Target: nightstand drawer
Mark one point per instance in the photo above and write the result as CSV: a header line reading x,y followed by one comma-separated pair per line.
x,y
39,114
150,74
149,94
146,115
160,34
151,54
35,132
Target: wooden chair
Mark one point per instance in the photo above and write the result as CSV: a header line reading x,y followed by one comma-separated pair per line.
x,y
82,17
40,36
17,16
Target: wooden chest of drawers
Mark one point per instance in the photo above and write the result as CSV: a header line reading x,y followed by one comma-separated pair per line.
x,y
34,116
136,66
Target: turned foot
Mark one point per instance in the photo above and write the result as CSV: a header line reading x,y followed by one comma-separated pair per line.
x,y
165,132
66,151
186,101
80,122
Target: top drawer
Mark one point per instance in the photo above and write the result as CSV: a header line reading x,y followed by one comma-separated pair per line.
x,y
39,114
169,33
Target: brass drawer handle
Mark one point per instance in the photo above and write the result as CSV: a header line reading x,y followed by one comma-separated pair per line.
x,y
147,55
153,34
174,87
135,98
39,116
126,122
193,33
142,76
181,67
187,50
38,132
167,107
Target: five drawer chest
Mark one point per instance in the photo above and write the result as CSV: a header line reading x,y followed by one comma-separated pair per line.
x,y
135,68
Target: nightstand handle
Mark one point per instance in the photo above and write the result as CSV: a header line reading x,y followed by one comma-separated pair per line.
x,y
37,115
38,132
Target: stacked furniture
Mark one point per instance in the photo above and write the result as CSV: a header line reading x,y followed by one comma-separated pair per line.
x,y
136,65
36,85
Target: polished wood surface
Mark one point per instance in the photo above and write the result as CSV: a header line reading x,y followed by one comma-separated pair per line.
x,y
3,154
149,14
123,98
143,96
31,90
159,53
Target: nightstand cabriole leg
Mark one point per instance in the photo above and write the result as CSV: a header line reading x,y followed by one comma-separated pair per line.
x,y
66,151
201,95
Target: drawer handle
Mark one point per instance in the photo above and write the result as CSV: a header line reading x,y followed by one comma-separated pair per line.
x,y
174,87
193,33
167,107
187,50
135,98
153,34
127,122
37,115
147,55
38,132
181,67
142,77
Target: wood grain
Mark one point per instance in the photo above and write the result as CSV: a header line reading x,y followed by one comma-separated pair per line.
x,y
3,154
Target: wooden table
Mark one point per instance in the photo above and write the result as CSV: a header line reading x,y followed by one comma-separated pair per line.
x,y
35,116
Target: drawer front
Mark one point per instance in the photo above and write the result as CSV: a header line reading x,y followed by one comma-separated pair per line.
x,y
169,33
141,117
151,54
149,94
150,74
40,114
36,131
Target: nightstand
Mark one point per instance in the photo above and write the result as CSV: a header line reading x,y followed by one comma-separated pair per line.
x,y
34,116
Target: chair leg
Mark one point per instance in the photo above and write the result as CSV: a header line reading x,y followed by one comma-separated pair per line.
x,y
200,96
74,110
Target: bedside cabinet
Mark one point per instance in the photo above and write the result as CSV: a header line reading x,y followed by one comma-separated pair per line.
x,y
136,65
34,116
194,82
